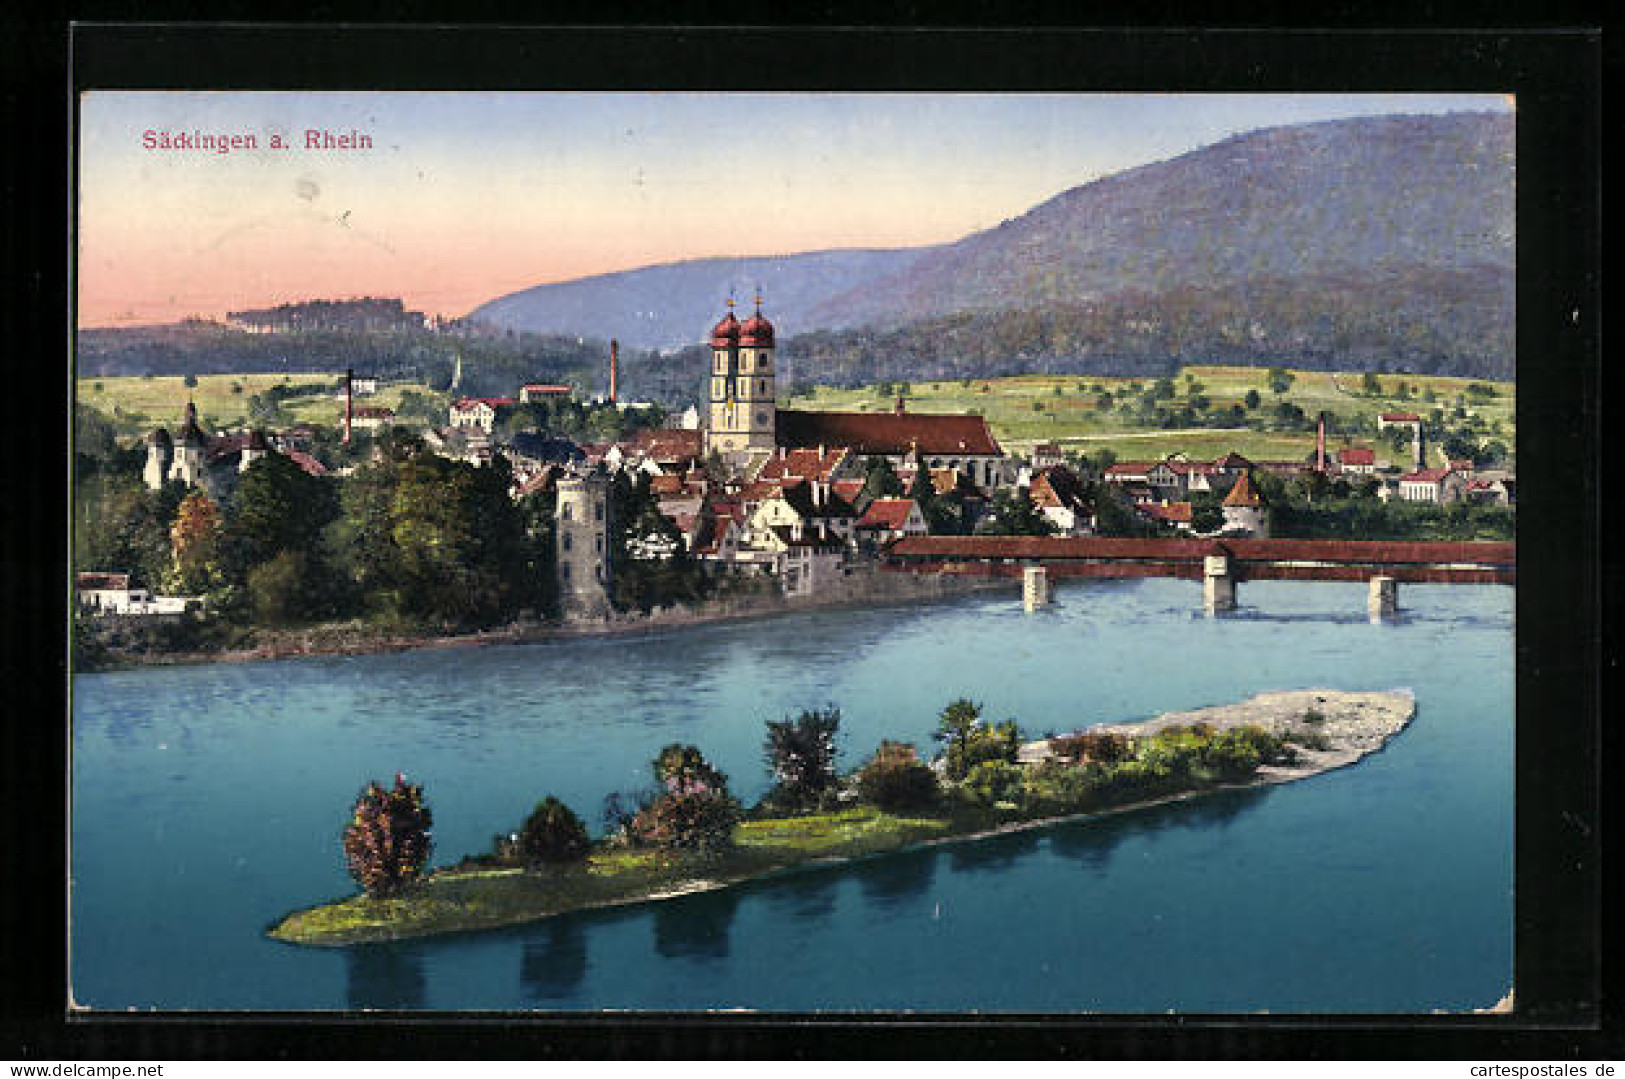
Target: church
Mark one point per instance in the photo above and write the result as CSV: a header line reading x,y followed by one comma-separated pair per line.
x,y
746,428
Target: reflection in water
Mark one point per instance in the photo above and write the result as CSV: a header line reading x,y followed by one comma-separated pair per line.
x,y
553,960
888,881
384,977
695,927
1092,841
996,853
806,895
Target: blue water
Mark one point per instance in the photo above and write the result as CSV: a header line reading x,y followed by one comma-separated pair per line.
x,y
208,801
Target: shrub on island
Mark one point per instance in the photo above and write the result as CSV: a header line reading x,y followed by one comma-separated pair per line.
x,y
552,835
694,811
389,837
968,741
896,780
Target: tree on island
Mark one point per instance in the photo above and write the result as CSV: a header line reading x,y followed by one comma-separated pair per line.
x,y
552,834
694,810
968,741
801,753
389,837
896,780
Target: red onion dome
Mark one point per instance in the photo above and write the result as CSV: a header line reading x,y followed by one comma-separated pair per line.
x,y
725,334
757,332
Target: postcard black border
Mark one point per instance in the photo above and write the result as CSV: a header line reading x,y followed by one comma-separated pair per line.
x,y
1559,873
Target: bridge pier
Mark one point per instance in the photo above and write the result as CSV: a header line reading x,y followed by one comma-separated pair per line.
x,y
1382,601
1218,585
1035,588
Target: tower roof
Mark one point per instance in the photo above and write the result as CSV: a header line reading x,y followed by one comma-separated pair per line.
x,y
191,433
757,331
725,334
1244,493
160,437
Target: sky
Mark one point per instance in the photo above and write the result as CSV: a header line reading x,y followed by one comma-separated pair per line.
x,y
463,197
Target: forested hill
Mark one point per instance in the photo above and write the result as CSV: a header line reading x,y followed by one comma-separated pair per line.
x,y
1383,198
675,304
1382,243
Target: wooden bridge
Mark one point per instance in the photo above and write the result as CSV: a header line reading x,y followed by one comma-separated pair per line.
x,y
1219,564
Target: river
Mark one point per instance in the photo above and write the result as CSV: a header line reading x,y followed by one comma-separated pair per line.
x,y
208,801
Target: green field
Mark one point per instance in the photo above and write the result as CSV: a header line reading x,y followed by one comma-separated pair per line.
x,y
1072,419
139,404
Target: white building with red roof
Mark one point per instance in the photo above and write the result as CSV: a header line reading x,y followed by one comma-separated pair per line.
x,y
888,519
481,412
1357,459
1433,485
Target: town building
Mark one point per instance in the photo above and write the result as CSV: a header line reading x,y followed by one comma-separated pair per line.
x,y
741,386
533,392
1358,460
888,519
1433,485
371,417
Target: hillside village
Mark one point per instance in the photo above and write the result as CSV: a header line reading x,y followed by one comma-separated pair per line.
x,y
797,501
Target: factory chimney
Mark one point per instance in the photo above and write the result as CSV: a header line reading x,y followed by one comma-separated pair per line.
x,y
614,355
349,377
1320,444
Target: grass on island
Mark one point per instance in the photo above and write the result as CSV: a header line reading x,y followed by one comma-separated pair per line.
x,y
1072,418
453,900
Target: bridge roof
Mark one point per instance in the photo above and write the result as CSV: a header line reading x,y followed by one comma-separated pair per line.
x,y
1062,548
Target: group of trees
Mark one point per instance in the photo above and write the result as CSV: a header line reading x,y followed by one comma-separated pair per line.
x,y
691,809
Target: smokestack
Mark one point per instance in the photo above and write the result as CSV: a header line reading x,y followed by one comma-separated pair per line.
x,y
898,410
349,377
1320,444
1419,447
614,354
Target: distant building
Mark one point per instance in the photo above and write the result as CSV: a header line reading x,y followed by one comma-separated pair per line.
x,y
1357,459
1047,455
888,519
371,417
481,412
1433,485
532,392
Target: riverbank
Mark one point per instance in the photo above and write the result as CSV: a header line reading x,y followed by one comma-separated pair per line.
x,y
1329,729
864,588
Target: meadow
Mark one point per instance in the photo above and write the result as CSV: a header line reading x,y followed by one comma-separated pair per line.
x,y
1063,409
137,404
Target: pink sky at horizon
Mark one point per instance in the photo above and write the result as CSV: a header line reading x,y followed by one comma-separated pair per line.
x,y
466,197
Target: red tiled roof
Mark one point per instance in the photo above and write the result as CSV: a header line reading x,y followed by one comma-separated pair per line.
x,y
1130,468
887,513
1243,493
465,403
372,412
668,443
666,485
1426,475
847,489
307,462
1462,464
102,581
803,463
544,387
1355,455
887,432
1401,417
1173,512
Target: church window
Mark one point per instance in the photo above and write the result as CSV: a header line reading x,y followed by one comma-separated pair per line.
x,y
567,541
598,511
567,508
564,571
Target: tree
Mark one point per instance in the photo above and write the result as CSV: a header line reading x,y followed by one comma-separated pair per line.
x,y
801,752
195,542
280,590
389,837
967,741
277,507
880,480
1015,515
896,780
1280,379
552,834
1252,400
1207,514
189,381
695,810
1371,384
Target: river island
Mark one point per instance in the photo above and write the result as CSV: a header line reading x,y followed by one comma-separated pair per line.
x,y
1271,738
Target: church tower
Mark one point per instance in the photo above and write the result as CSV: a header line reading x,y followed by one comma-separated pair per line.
x,y
742,385
190,450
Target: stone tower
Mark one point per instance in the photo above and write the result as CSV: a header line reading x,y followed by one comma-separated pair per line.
x,y
741,416
190,450
160,455
583,555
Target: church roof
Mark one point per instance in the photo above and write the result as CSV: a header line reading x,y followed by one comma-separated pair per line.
x,y
887,432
